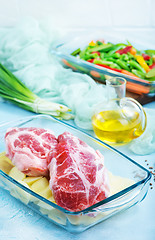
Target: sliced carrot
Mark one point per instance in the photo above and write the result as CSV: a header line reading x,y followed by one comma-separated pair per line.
x,y
95,74
137,88
134,76
129,73
68,64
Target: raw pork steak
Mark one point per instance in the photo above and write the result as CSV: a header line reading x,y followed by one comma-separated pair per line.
x,y
28,148
78,178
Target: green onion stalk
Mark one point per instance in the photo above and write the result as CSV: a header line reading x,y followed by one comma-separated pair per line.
x,y
12,89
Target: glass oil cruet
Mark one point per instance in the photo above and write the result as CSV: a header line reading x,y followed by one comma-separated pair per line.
x,y
121,119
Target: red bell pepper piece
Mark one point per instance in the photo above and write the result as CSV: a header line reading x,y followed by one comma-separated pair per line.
x,y
146,57
124,50
152,66
90,60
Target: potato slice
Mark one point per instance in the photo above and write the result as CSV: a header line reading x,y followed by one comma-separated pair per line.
x,y
57,216
46,193
21,194
46,208
40,185
5,163
31,180
16,174
118,183
51,199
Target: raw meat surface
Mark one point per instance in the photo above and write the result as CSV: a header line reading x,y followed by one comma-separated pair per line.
x,y
78,177
28,149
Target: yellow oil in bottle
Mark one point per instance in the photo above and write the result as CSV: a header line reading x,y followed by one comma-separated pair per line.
x,y
117,126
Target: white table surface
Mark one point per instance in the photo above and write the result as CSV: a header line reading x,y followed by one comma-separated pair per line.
x,y
18,222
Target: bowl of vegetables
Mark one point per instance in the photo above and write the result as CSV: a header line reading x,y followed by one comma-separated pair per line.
x,y
102,56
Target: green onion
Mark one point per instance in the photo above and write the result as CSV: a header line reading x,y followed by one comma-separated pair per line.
x,y
12,89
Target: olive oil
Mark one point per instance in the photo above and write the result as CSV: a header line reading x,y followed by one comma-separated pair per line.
x,y
117,126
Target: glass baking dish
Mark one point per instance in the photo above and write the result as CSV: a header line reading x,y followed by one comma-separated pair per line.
x,y
116,162
63,52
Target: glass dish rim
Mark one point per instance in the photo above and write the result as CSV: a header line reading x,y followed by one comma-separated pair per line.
x,y
58,52
93,207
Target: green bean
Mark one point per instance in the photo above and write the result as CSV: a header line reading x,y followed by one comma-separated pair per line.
x,y
136,65
110,59
82,53
77,51
103,47
102,55
150,52
114,65
130,56
102,62
99,43
138,73
93,55
86,55
121,44
116,55
125,57
151,79
109,63
122,64
150,61
116,48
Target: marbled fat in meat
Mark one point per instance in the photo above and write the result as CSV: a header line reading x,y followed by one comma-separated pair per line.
x,y
78,177
28,149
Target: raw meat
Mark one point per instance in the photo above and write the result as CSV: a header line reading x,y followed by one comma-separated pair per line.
x,y
28,149
78,177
